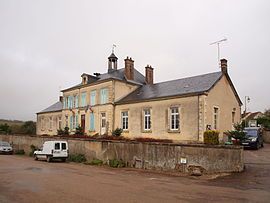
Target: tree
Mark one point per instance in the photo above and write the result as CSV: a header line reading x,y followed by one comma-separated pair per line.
x,y
5,128
29,127
265,119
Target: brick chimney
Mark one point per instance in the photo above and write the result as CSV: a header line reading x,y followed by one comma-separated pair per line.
x,y
149,78
129,68
223,65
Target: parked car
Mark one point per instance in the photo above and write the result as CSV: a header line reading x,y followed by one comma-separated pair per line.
x,y
52,150
253,138
5,148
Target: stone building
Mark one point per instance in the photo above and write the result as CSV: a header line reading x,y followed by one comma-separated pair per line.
x,y
180,109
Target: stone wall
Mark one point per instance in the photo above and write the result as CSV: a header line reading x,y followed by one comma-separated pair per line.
x,y
266,136
160,156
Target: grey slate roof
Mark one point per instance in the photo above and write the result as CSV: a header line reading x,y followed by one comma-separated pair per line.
x,y
191,85
118,75
55,107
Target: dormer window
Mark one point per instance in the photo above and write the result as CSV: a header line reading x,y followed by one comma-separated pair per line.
x,y
84,80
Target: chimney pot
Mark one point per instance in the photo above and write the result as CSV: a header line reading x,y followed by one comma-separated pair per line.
x,y
129,68
149,77
223,65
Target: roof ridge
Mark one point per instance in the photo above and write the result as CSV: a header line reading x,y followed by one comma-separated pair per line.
x,y
187,77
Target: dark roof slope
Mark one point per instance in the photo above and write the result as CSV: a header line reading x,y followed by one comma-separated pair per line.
x,y
118,75
185,86
55,107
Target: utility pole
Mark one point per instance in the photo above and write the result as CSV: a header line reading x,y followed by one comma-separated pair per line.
x,y
218,48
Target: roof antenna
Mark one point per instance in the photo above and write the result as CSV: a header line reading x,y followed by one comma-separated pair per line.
x,y
217,43
113,46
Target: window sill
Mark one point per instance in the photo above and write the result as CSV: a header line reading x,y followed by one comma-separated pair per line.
x,y
147,131
173,131
125,131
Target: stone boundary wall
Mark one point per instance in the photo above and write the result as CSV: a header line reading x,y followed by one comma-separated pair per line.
x,y
266,136
157,156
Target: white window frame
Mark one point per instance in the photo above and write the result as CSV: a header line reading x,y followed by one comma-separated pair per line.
x,y
104,95
216,118
147,119
174,118
50,123
83,102
124,120
93,97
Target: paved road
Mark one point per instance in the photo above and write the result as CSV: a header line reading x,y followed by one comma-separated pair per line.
x,y
25,180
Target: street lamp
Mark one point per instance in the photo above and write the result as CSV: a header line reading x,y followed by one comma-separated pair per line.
x,y
247,100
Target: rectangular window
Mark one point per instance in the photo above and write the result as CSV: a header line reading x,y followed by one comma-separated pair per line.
x,y
93,98
64,146
92,122
104,96
59,123
233,117
71,122
125,120
83,99
50,123
76,101
147,119
42,123
174,121
103,120
64,102
215,124
57,146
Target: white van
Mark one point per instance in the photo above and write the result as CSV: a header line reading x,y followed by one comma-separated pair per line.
x,y
52,150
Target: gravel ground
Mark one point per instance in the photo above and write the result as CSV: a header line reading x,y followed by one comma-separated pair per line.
x,y
24,180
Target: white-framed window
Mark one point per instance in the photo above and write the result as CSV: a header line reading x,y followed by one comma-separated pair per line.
x,y
104,96
59,122
147,119
215,118
174,118
83,99
124,119
92,121
50,123
93,98
42,124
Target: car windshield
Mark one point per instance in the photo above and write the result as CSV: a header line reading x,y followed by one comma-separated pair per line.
x,y
4,144
251,133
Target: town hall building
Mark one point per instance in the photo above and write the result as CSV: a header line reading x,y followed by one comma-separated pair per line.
x,y
180,109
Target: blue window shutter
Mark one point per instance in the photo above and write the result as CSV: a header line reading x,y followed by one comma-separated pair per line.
x,y
92,122
70,122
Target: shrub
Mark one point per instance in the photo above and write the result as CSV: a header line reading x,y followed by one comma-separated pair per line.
x,y
79,131
96,162
66,130
115,163
211,137
5,128
19,152
79,158
60,132
33,148
117,132
148,139
29,127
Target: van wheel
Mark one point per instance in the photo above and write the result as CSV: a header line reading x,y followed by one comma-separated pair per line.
x,y
35,157
262,144
48,159
64,160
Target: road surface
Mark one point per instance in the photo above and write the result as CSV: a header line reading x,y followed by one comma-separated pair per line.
x,y
24,180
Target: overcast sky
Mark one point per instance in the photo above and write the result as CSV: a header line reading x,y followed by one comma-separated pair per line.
x,y
45,46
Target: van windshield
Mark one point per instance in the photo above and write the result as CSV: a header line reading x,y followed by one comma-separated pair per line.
x,y
4,144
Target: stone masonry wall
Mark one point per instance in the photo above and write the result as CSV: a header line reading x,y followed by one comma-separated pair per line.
x,y
159,156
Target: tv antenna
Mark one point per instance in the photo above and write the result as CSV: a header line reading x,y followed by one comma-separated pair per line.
x,y
217,43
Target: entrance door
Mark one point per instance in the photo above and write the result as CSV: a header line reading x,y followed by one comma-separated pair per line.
x,y
103,123
83,122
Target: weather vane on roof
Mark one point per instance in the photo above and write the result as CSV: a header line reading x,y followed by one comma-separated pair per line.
x,y
113,46
217,43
